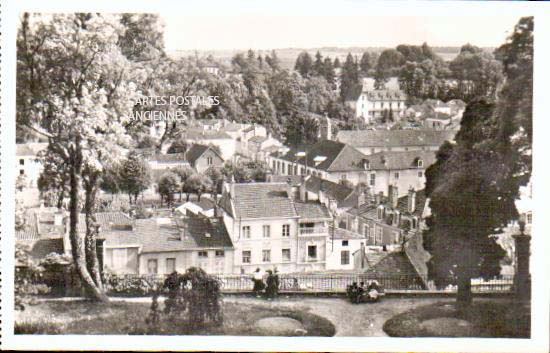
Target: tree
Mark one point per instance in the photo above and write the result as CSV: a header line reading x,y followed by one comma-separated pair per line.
x,y
328,71
75,88
304,64
184,173
215,174
135,175
318,65
111,180
349,77
273,61
168,185
198,184
178,146
301,129
468,206
337,63
143,37
366,63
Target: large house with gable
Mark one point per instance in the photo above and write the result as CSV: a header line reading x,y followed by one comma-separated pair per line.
x,y
272,225
341,163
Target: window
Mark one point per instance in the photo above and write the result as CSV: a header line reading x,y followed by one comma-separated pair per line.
x,y
366,165
344,177
170,265
220,253
420,163
312,252
379,235
372,179
152,266
266,230
413,223
345,242
396,175
420,174
275,165
529,218
380,212
266,255
247,254
286,230
209,160
286,255
21,162
203,253
246,232
344,257
283,169
21,172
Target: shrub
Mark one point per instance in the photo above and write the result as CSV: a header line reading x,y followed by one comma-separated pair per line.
x,y
131,284
28,278
193,296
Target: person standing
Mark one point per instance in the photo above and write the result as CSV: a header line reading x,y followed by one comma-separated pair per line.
x,y
258,278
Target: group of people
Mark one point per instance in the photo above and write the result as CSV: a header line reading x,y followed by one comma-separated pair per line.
x,y
270,288
361,293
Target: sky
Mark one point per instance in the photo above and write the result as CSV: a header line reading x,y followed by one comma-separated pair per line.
x,y
272,31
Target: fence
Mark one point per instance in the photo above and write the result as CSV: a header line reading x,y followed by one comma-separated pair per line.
x,y
307,283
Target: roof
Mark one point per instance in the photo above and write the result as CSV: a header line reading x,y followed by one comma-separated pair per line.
x,y
336,156
394,138
107,221
250,128
268,200
438,116
205,203
311,210
194,134
195,152
262,200
402,203
29,149
257,139
339,192
39,224
341,233
173,234
390,160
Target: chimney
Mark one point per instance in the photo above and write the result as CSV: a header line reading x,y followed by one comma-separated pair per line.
x,y
411,200
303,190
393,195
293,191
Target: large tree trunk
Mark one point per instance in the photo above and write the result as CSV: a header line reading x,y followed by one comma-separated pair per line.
x,y
77,242
92,261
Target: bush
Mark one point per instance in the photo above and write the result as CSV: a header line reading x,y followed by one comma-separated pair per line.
x,y
28,279
193,296
132,285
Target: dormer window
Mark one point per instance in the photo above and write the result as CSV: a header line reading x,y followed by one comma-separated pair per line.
x,y
366,164
380,212
419,163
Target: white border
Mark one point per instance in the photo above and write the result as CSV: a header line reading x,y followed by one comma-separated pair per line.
x,y
540,243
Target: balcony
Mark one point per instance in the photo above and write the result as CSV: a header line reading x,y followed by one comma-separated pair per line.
x,y
313,230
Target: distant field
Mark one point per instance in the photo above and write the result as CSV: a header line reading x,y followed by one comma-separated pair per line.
x,y
288,55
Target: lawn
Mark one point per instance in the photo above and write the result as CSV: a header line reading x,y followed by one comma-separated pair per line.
x,y
121,317
488,318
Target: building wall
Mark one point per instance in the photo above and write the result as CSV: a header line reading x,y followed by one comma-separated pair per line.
x,y
201,164
370,110
257,243
334,253
189,258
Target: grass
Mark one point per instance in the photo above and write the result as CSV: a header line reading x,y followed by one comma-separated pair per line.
x,y
84,317
506,319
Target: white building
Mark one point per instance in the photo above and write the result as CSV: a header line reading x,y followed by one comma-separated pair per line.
x,y
271,225
373,104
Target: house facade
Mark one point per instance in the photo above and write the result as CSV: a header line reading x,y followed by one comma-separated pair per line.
x,y
373,104
271,225
202,157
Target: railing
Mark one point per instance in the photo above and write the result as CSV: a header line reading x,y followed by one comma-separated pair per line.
x,y
313,230
314,282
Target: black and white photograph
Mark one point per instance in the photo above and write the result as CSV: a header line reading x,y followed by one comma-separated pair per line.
x,y
259,174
